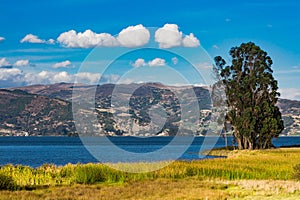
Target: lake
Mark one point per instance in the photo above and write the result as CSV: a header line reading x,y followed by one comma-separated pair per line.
x,y
36,151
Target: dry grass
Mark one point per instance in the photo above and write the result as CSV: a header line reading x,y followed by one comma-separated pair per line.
x,y
189,188
257,174
155,189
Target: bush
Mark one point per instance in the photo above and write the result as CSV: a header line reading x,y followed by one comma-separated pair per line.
x,y
89,174
297,172
7,183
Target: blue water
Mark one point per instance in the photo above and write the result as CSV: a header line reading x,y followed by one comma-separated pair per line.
x,y
36,151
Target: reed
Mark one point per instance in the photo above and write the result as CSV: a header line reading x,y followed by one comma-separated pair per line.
x,y
277,164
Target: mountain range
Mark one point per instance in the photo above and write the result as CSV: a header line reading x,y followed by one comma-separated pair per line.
x,y
47,110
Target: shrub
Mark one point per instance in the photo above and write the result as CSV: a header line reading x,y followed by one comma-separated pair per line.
x,y
89,174
7,183
297,172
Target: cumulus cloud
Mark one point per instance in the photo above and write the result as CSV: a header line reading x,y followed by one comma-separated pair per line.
x,y
2,39
4,63
30,38
51,41
157,62
175,60
15,77
169,36
21,63
190,41
63,64
6,74
87,39
48,77
290,93
134,36
86,77
139,63
11,77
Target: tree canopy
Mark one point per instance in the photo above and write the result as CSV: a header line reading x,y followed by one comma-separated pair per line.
x,y
252,95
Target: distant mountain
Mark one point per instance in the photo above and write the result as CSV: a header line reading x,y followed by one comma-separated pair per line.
x,y
290,110
47,110
22,113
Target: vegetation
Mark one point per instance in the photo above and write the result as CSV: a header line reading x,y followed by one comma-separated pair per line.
x,y
7,183
264,165
252,95
222,178
297,172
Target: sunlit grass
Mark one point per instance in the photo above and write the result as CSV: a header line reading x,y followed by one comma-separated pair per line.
x,y
243,174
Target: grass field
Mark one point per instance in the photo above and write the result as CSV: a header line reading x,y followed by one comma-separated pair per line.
x,y
259,174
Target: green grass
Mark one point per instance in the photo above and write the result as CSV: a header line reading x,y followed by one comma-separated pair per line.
x,y
259,174
276,164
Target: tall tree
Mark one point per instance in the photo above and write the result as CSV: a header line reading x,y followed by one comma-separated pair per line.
x,y
252,95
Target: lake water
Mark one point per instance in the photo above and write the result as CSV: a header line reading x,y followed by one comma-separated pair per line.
x,y
35,151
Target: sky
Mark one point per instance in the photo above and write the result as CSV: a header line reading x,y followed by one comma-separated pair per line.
x,y
44,42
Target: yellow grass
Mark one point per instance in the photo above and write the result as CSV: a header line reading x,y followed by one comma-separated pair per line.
x,y
259,174
189,188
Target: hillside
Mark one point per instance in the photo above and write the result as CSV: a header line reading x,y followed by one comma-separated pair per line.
x,y
22,113
290,110
47,110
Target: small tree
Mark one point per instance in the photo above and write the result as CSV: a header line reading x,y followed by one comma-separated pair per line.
x,y
252,95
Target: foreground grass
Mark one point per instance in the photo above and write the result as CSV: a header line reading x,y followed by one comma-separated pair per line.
x,y
187,188
255,174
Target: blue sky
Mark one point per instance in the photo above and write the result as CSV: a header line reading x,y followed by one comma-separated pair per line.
x,y
217,25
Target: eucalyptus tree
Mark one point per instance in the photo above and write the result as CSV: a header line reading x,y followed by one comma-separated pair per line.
x,y
252,95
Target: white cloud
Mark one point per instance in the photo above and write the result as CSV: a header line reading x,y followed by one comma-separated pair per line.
x,y
21,63
15,77
288,71
205,66
87,39
169,36
48,77
134,36
2,39
139,63
7,74
11,77
51,41
175,60
190,41
62,77
227,20
63,64
157,62
86,77
216,47
290,93
30,38
4,63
